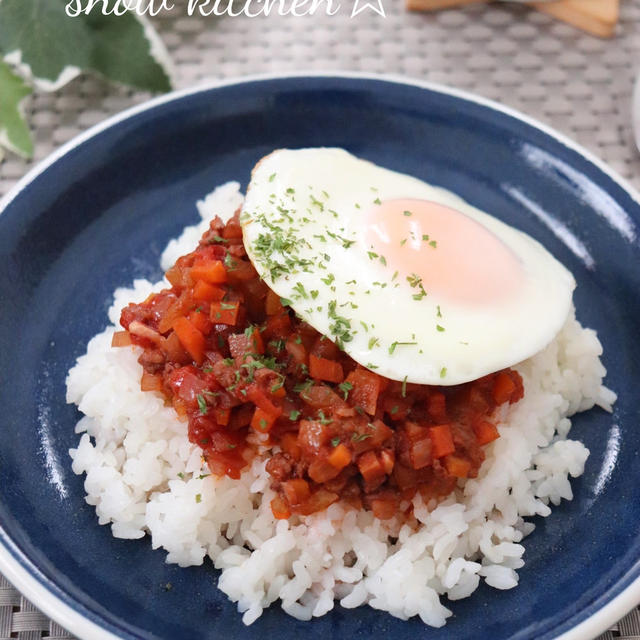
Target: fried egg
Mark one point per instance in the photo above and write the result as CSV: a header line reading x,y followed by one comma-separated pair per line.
x,y
410,280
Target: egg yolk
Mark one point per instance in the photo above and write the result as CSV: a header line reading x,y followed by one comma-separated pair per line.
x,y
454,256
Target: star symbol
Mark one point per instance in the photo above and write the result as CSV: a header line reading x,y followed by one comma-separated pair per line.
x,y
359,8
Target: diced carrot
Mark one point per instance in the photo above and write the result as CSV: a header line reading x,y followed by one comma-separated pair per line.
x,y
340,457
323,369
205,292
150,382
200,321
121,339
260,398
272,305
485,431
503,387
365,389
456,466
211,271
369,466
224,312
441,440
280,509
192,339
263,421
296,491
289,444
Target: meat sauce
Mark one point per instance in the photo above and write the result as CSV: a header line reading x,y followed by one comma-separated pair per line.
x,y
251,378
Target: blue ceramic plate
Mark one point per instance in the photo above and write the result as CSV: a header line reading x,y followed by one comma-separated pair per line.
x,y
98,214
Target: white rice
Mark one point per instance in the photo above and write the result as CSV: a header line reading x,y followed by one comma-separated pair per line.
x,y
143,477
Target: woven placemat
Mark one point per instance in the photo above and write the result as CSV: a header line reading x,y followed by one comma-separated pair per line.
x,y
576,83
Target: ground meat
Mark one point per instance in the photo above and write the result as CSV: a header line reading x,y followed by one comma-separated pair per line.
x,y
247,373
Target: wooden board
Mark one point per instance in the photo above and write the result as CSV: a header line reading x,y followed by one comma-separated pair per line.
x,y
433,5
598,17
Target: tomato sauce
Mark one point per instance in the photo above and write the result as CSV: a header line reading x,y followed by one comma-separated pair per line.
x,y
251,378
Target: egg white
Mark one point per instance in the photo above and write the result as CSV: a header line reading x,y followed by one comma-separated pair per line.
x,y
303,230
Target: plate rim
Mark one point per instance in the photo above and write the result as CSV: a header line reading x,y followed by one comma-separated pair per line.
x,y
12,563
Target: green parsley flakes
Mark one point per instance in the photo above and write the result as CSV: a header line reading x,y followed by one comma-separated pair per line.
x,y
303,386
202,404
345,387
393,346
